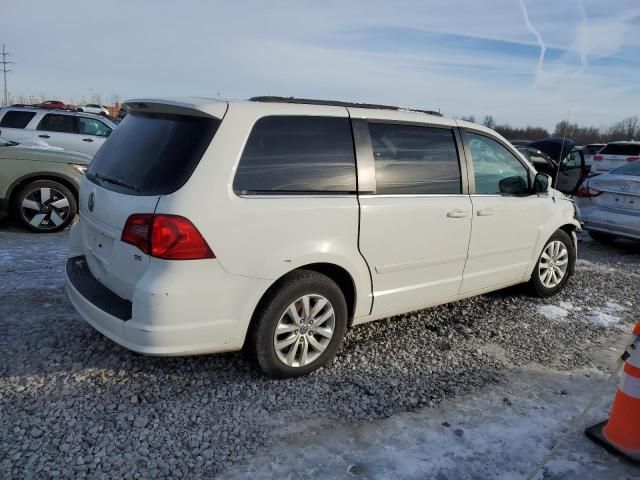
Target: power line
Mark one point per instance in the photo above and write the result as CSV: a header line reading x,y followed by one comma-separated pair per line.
x,y
4,64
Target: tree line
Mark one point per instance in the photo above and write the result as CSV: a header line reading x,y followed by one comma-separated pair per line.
x,y
625,129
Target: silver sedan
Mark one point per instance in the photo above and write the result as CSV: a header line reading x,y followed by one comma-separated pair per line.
x,y
610,204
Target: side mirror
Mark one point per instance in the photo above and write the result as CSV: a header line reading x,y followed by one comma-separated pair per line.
x,y
515,185
542,183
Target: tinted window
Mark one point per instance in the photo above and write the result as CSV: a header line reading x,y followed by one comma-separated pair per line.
x,y
415,160
152,154
629,149
297,154
492,163
16,119
538,160
58,123
90,126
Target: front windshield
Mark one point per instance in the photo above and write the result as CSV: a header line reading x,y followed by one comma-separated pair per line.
x,y
630,169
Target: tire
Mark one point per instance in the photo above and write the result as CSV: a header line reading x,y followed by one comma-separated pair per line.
x,y
545,284
51,215
79,109
276,310
602,237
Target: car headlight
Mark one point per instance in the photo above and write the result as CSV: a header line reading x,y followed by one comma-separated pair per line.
x,y
82,169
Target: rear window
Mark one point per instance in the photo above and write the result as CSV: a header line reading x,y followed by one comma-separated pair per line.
x,y
298,154
53,122
16,119
629,149
629,169
152,154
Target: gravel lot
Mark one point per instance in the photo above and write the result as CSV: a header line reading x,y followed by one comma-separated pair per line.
x,y
74,404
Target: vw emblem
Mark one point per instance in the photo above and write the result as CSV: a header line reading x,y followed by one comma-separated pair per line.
x,y
90,202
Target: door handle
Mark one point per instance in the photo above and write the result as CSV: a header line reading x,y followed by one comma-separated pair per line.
x,y
87,139
457,213
44,135
485,212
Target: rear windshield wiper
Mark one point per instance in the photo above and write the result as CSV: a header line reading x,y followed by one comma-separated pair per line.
x,y
115,181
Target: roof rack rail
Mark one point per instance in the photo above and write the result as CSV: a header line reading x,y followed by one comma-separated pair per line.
x,y
337,103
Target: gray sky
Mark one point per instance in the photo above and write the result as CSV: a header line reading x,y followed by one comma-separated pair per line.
x,y
524,62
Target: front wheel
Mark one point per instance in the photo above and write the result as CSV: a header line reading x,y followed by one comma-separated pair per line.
x,y
554,266
45,206
300,325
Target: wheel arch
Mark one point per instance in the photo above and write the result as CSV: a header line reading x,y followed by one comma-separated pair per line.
x,y
15,187
335,272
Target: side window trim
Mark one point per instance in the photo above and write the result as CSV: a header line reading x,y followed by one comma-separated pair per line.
x,y
469,158
365,157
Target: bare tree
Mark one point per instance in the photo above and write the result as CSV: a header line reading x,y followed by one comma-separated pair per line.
x,y
489,121
469,118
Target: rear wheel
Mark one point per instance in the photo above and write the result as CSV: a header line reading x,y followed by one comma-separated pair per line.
x,y
45,206
602,237
300,325
554,266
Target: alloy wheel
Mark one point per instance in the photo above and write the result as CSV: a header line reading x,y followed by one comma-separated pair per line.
x,y
45,208
304,330
553,264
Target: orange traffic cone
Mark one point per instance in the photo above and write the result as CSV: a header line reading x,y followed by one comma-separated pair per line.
x,y
621,432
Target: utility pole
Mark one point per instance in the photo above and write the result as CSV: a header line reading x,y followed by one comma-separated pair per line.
x,y
4,63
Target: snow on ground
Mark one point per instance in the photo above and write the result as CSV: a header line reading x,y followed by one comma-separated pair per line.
x,y
606,315
501,434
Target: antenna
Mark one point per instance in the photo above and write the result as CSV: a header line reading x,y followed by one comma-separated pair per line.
x,y
4,63
561,155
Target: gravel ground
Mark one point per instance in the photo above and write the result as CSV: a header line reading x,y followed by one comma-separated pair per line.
x,y
74,404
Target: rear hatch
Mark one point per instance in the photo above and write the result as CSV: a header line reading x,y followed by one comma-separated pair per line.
x,y
152,153
615,155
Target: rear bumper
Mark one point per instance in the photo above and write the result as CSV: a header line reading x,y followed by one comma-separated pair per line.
x,y
195,315
612,222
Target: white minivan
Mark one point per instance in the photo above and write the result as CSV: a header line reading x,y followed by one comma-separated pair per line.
x,y
275,224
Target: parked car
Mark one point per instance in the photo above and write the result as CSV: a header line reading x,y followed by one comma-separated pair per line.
x,y
39,186
590,151
121,114
614,155
610,204
95,109
54,105
276,224
544,155
73,131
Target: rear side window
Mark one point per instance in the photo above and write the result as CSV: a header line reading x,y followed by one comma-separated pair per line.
x,y
415,160
152,154
58,123
628,149
297,154
16,119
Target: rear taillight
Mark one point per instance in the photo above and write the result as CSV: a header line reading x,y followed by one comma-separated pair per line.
x,y
169,237
597,158
136,231
632,159
585,191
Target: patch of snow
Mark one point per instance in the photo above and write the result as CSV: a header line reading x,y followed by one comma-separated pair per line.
x,y
569,306
553,312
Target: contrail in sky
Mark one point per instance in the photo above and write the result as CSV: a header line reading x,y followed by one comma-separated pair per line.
x,y
582,39
533,30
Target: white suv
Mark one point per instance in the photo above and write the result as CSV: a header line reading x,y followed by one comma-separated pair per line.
x,y
614,155
71,131
276,224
